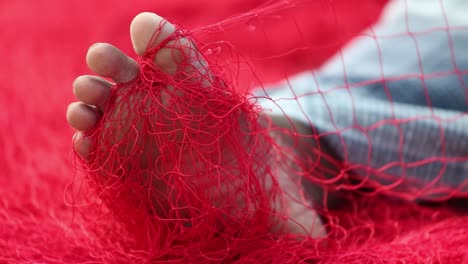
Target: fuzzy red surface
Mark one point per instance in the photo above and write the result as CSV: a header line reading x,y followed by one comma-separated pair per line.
x,y
43,46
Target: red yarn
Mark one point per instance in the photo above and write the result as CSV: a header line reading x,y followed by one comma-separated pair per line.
x,y
201,143
175,161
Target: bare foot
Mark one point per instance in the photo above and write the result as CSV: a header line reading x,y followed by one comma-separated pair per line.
x,y
105,60
108,61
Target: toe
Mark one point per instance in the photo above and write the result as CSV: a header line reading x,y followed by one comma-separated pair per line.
x,y
108,61
148,30
92,90
82,117
81,144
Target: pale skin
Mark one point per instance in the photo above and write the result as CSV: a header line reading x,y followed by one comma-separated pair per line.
x,y
92,93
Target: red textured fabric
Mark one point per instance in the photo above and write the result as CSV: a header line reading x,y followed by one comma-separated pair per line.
x,y
48,213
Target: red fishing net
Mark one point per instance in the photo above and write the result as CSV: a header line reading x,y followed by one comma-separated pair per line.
x,y
207,165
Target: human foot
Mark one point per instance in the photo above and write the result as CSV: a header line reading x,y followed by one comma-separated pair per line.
x,y
107,61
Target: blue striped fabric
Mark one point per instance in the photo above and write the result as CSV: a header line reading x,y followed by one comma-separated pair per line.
x,y
392,104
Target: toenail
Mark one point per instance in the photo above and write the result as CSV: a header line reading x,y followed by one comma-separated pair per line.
x,y
95,44
75,81
80,138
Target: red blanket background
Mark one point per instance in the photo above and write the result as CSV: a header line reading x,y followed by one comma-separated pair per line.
x,y
42,49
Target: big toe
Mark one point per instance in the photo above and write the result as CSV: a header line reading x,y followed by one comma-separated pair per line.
x,y
149,30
